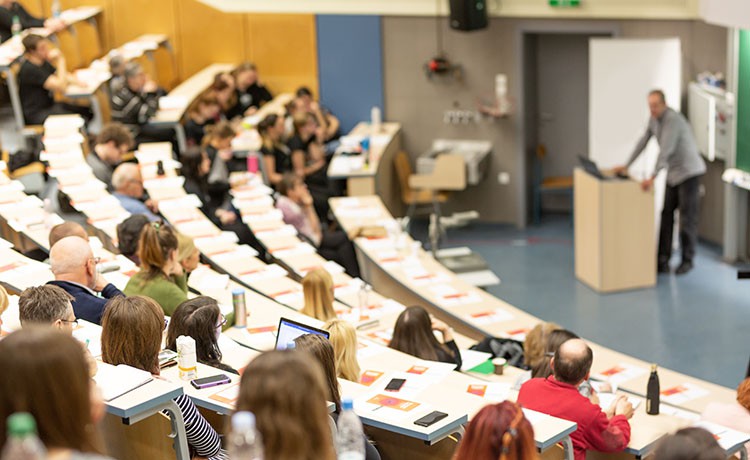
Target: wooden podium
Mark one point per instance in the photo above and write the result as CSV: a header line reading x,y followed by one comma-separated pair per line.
x,y
615,242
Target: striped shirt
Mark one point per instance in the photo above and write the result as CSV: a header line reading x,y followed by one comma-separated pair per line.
x,y
133,108
201,437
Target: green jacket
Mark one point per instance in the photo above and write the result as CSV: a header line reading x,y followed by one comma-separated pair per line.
x,y
167,292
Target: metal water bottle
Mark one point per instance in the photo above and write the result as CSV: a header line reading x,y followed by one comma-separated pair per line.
x,y
240,310
652,392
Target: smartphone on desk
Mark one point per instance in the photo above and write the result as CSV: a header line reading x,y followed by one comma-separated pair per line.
x,y
395,384
429,419
207,382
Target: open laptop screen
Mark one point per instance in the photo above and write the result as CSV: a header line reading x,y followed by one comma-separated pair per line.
x,y
290,330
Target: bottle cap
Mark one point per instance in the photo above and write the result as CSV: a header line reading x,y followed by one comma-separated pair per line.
x,y
653,367
347,404
238,291
243,421
21,424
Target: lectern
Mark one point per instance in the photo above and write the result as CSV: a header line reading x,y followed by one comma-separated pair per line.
x,y
615,243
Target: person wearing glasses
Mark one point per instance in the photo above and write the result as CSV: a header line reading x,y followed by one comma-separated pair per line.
x,y
201,319
127,183
50,305
74,266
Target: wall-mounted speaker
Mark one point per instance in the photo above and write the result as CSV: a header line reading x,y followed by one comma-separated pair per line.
x,y
468,14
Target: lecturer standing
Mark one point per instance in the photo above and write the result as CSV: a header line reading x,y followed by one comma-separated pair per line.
x,y
679,154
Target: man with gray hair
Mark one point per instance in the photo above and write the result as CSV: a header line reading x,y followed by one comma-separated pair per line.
x,y
47,305
135,102
127,184
74,266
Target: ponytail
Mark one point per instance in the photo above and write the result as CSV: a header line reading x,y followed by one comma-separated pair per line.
x,y
220,130
156,242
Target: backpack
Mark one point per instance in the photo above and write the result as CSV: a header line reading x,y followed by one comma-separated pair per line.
x,y
511,350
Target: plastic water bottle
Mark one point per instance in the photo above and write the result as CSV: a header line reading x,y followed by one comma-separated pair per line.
x,y
245,441
56,9
350,441
15,28
23,442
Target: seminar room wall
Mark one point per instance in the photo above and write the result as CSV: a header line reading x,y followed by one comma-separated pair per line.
x,y
282,45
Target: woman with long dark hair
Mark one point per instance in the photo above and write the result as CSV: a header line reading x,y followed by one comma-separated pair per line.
x,y
413,335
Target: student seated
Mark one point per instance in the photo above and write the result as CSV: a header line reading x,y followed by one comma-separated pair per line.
x,y
187,254
535,343
498,431
735,415
127,184
55,388
74,266
277,158
204,111
65,230
117,69
690,443
49,305
161,276
296,204
605,431
128,235
112,143
201,319
250,93
217,143
10,9
322,351
216,202
317,287
309,161
344,340
223,89
136,102
286,391
413,335
4,303
328,123
120,345
42,73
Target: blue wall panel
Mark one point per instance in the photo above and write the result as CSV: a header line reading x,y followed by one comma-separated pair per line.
x,y
350,66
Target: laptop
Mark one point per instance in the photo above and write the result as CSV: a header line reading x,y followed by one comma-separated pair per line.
x,y
290,330
590,167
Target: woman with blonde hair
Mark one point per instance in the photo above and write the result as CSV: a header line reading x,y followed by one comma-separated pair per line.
x,y
3,303
344,340
317,287
536,343
286,391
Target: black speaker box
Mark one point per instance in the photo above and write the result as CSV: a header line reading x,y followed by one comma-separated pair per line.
x,y
468,14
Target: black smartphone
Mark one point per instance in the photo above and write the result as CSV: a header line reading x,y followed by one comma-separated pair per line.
x,y
395,384
212,381
430,418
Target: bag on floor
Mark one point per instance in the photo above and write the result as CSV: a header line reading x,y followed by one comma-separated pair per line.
x,y
511,350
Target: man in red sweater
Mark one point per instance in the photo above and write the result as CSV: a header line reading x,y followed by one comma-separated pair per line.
x,y
558,395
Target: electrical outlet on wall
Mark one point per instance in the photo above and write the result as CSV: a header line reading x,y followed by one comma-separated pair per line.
x,y
503,178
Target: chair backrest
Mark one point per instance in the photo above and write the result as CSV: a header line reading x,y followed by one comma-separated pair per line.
x,y
403,170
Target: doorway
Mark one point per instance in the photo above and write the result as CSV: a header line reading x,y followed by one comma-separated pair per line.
x,y
556,98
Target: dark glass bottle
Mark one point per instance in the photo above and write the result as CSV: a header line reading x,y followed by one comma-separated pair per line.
x,y
652,392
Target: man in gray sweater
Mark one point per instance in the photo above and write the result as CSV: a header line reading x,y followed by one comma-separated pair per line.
x,y
679,154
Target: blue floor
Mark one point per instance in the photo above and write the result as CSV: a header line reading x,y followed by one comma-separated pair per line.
x,y
695,323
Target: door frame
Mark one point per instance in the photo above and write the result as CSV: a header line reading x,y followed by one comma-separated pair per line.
x,y
524,33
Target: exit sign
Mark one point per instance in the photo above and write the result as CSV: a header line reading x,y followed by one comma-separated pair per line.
x,y
564,3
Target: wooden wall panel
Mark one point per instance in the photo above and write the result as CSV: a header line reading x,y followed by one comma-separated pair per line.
x,y
208,36
137,17
284,48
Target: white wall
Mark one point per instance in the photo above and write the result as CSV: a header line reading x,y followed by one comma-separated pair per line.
x,y
622,72
728,13
609,9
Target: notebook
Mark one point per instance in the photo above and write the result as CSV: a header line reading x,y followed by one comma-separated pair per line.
x,y
115,381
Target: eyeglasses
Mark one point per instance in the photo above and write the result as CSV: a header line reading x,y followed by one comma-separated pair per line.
x,y
73,323
97,260
222,322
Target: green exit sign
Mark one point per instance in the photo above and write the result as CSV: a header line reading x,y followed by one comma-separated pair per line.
x,y
564,3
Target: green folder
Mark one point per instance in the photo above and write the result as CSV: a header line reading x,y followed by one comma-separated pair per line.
x,y
485,368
